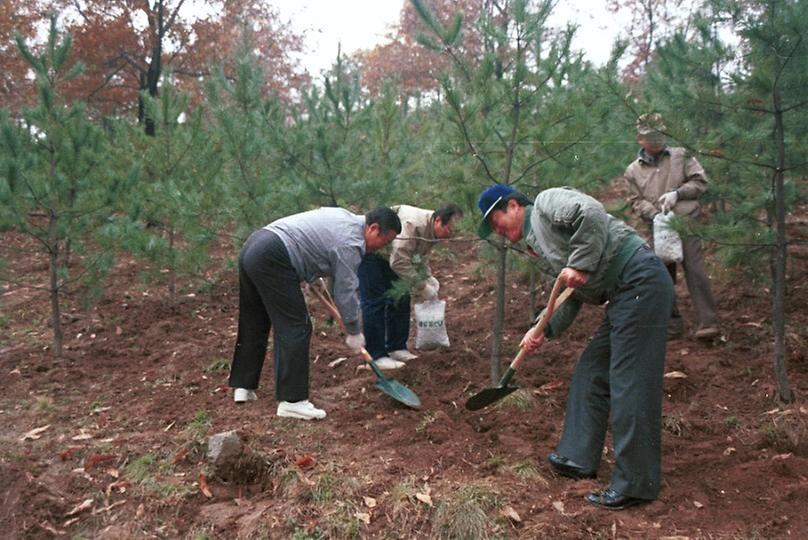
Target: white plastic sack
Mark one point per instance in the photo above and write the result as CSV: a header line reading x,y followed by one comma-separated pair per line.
x,y
667,243
430,325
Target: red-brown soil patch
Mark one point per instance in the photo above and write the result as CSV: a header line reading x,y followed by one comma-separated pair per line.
x,y
144,379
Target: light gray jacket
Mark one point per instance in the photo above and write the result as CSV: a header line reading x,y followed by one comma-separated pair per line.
x,y
327,242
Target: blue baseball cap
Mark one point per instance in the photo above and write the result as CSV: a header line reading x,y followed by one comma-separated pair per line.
x,y
488,199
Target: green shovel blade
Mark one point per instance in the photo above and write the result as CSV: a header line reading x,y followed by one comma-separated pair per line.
x,y
395,389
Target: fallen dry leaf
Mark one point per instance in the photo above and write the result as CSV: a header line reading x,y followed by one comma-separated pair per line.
x,y
86,504
424,498
48,527
729,450
697,504
338,361
120,487
370,502
305,461
181,455
363,517
203,486
511,514
550,386
558,505
108,508
95,459
35,433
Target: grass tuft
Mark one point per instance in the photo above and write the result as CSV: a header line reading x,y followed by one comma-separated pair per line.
x,y
464,513
521,400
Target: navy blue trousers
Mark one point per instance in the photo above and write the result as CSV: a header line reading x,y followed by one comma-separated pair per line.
x,y
270,295
620,374
385,322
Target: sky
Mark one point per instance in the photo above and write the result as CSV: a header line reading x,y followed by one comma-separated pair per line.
x,y
362,24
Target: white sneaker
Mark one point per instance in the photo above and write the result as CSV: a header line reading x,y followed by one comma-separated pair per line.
x,y
403,355
304,410
385,362
242,395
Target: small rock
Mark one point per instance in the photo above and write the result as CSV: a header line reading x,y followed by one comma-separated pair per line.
x,y
224,448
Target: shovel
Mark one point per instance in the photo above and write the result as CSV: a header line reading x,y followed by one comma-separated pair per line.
x,y
386,385
487,396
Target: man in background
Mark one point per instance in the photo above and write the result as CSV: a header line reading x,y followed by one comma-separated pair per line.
x,y
663,179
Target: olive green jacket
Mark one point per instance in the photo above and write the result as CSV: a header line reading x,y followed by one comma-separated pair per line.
x,y
567,228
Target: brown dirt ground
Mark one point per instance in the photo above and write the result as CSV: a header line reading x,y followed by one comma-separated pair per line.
x,y
125,414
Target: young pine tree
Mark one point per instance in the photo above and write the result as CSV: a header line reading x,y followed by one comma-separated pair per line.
x,y
181,192
518,112
247,125
54,187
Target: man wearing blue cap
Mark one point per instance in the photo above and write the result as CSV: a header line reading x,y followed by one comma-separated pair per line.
x,y
620,371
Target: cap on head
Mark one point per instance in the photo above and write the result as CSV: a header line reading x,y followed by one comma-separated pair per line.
x,y
650,123
488,199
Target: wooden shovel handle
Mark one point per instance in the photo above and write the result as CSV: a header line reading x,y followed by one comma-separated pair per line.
x,y
556,299
335,313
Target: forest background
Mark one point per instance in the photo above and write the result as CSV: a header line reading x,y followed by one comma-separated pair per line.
x,y
127,128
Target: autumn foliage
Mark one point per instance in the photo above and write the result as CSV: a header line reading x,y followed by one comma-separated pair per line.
x,y
126,45
412,66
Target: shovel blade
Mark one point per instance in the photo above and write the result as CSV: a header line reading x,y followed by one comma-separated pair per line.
x,y
399,392
395,389
487,396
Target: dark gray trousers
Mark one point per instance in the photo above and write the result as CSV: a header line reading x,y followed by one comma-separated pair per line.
x,y
620,372
270,295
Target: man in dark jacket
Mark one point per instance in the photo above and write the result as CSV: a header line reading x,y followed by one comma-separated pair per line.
x,y
272,263
620,371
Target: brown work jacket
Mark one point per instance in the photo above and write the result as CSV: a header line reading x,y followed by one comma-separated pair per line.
x,y
674,170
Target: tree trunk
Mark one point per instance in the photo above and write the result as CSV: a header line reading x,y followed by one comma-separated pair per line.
x,y
779,259
499,314
53,272
172,264
141,105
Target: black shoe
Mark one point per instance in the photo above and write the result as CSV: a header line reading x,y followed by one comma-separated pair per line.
x,y
612,500
562,466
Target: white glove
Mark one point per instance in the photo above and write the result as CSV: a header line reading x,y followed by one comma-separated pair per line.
x,y
355,342
431,287
667,201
